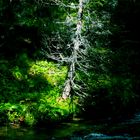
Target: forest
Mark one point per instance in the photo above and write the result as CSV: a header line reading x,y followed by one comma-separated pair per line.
x,y
62,60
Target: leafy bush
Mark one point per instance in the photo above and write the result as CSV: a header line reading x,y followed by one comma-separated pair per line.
x,y
31,90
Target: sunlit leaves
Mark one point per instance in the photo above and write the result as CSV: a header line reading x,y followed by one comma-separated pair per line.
x,y
29,119
17,73
53,106
34,91
50,71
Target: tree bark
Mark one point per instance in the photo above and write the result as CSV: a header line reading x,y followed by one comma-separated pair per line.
x,y
69,84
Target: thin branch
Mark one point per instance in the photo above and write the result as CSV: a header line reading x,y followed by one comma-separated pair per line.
x,y
57,3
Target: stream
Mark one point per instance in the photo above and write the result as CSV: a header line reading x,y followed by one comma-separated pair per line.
x,y
77,130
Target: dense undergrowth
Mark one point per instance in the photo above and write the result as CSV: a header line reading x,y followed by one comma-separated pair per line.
x,y
30,91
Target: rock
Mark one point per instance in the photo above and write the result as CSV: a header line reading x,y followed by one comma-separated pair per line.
x,y
97,136
94,136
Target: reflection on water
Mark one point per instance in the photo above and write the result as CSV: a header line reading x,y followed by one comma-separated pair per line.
x,y
12,133
76,130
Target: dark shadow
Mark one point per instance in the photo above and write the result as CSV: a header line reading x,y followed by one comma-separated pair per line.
x,y
125,42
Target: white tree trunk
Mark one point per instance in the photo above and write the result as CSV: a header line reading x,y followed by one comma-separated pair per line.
x,y
73,59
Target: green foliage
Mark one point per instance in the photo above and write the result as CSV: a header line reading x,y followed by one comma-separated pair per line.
x,y
34,91
51,72
32,88
29,119
53,107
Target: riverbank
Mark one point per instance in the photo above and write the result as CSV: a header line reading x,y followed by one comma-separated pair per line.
x,y
76,130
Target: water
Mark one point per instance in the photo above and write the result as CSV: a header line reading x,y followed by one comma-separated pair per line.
x,y
76,130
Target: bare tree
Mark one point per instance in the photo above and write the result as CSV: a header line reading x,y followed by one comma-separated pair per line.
x,y
69,84
76,40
